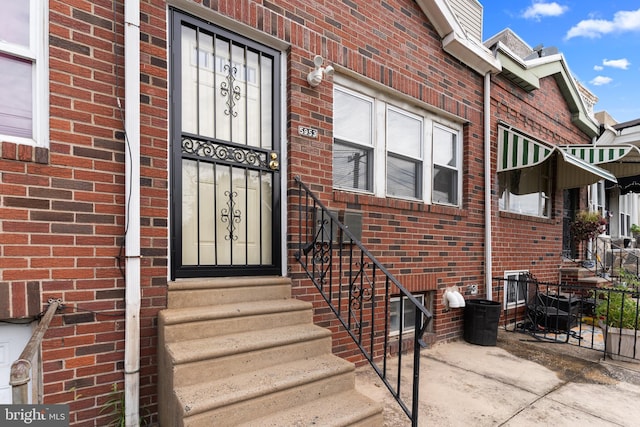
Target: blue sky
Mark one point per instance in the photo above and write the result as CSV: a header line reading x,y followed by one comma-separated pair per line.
x,y
600,41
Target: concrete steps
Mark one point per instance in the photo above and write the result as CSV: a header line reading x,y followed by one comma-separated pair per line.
x,y
241,352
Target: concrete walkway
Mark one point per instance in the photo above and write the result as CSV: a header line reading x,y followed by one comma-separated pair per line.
x,y
519,382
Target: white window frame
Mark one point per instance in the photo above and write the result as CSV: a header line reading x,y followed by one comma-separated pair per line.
x,y
458,168
396,300
511,279
624,217
370,148
382,102
37,53
543,200
415,159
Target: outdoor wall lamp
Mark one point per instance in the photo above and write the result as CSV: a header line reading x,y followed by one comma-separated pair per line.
x,y
315,77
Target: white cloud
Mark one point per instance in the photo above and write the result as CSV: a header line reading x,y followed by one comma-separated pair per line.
x,y
598,67
623,21
541,9
601,80
623,63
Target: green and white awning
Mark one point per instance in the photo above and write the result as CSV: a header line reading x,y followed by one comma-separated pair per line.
x,y
622,160
518,151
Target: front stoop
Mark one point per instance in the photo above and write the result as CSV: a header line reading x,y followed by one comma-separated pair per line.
x,y
580,276
241,351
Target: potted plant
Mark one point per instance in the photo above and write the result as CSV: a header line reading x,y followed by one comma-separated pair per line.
x,y
618,316
587,226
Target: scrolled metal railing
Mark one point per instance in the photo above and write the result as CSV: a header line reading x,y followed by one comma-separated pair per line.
x,y
20,374
359,290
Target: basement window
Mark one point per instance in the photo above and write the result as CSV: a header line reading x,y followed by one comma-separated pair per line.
x,y
515,288
407,313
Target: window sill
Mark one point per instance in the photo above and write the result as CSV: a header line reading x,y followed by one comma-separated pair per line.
x,y
523,217
24,153
361,199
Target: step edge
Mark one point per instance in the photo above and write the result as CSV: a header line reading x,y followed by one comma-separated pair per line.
x,y
338,368
175,348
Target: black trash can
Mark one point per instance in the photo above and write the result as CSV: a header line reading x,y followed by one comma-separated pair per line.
x,y
481,319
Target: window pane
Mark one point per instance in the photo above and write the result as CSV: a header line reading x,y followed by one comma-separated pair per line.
x,y
266,97
14,21
444,147
190,59
16,99
351,167
404,134
408,314
402,177
352,118
524,191
394,317
445,185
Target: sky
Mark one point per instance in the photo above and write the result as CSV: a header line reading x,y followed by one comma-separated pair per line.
x,y
600,41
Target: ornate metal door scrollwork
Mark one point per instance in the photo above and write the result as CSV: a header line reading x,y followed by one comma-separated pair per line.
x,y
230,90
230,215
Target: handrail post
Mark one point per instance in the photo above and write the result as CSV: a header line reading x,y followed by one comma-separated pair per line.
x,y
21,368
417,338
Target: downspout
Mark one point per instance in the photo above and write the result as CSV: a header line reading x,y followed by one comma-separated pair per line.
x,y
132,206
488,262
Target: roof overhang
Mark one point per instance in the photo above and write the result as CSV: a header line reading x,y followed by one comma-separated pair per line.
x,y
527,75
454,39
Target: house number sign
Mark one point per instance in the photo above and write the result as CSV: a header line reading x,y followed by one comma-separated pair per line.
x,y
307,131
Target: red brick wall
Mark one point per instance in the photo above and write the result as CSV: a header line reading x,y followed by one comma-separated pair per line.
x,y
394,45
63,209
544,114
62,213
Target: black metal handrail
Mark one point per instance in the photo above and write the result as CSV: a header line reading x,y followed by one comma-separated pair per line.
x,y
359,289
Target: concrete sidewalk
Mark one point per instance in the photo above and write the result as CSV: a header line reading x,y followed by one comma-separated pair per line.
x,y
519,382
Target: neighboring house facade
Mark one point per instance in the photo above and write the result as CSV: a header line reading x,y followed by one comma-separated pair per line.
x,y
621,198
144,143
537,115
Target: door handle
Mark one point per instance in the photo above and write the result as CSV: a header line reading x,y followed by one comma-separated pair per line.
x,y
274,164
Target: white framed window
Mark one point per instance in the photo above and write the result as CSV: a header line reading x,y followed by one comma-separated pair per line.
x,y
624,217
404,153
391,148
353,140
407,313
515,288
446,166
526,191
24,86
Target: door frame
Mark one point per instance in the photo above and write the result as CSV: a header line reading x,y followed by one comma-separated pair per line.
x,y
279,257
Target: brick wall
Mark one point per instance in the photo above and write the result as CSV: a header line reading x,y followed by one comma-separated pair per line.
x,y
393,44
62,212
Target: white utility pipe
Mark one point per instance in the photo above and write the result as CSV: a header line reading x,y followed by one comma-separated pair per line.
x,y
488,254
132,211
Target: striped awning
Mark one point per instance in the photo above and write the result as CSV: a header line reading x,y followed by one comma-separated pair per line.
x,y
518,151
622,160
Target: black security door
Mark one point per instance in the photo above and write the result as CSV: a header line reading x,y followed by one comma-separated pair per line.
x,y
225,152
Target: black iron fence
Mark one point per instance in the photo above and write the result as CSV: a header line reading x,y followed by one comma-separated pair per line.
x,y
377,312
598,318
